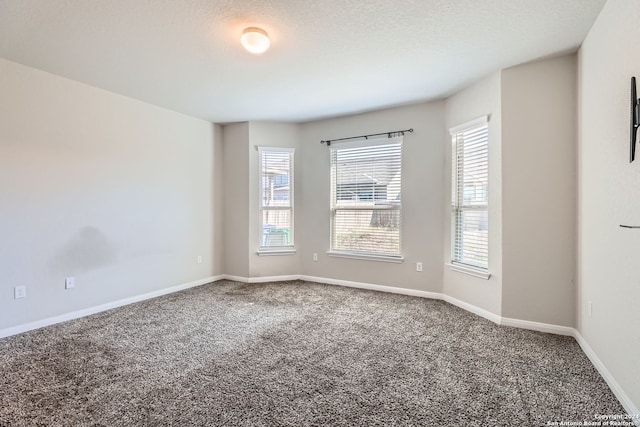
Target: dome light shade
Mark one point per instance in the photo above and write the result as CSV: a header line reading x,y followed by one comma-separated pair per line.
x,y
255,40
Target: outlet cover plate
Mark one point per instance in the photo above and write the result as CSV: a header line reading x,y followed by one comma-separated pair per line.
x,y
19,292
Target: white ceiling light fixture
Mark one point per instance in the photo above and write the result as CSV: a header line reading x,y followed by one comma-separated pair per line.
x,y
255,40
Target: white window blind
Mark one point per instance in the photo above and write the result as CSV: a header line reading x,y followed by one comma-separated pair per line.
x,y
470,194
276,197
366,206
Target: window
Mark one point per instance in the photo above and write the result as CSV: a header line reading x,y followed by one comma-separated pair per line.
x,y
366,203
470,195
276,198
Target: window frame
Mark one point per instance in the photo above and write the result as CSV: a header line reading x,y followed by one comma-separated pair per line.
x,y
280,249
334,206
458,206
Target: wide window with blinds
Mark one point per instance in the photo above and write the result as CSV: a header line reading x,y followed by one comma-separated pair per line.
x,y
276,198
366,203
470,195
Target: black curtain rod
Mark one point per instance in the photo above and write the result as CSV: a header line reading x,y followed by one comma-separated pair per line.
x,y
329,141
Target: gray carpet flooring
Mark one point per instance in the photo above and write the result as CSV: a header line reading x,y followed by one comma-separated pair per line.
x,y
290,354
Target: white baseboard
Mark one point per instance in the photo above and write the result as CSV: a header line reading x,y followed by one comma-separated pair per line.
x,y
473,309
274,278
537,326
235,278
372,287
338,282
261,279
18,329
615,387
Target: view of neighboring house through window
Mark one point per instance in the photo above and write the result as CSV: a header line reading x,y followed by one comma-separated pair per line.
x,y
276,197
470,195
366,206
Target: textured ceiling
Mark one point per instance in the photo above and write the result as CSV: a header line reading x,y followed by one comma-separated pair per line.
x,y
327,57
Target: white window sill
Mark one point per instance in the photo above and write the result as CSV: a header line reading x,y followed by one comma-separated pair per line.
x,y
471,271
269,252
355,255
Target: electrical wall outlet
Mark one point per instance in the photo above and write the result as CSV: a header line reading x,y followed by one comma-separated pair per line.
x,y
69,283
418,266
199,259
315,257
19,292
590,308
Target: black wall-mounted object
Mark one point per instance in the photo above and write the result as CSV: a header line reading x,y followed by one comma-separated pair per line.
x,y
634,121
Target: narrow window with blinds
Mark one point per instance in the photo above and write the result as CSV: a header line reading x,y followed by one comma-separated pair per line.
x,y
470,195
366,204
276,198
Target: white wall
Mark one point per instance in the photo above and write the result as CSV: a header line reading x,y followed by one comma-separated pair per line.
x,y
422,195
482,98
236,199
538,190
609,195
217,239
115,192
